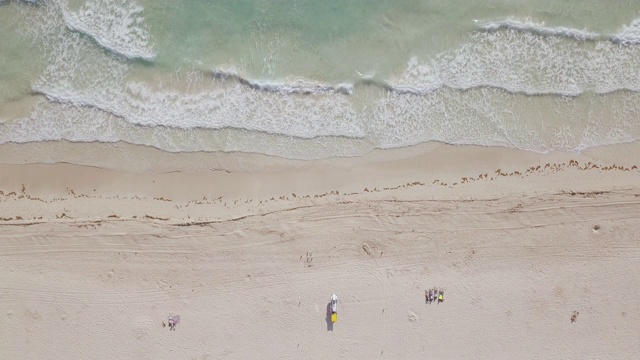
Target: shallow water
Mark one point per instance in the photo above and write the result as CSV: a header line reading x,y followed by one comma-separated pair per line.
x,y
314,79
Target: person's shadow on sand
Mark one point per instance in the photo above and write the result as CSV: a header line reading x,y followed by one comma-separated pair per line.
x,y
328,319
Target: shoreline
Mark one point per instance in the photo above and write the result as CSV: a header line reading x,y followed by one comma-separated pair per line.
x,y
176,186
121,156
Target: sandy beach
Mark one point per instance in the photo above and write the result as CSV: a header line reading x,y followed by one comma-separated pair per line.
x,y
537,255
232,164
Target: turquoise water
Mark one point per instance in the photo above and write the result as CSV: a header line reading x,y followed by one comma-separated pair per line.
x,y
313,79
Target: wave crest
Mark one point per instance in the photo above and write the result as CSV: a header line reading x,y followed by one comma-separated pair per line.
x,y
540,29
627,35
116,25
298,86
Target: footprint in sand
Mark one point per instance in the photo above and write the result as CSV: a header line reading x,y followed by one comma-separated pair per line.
x,y
412,317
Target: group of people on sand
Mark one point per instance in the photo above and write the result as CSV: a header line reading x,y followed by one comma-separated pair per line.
x,y
434,294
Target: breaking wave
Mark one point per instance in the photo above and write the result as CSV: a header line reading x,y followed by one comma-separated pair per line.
x,y
540,29
627,35
116,25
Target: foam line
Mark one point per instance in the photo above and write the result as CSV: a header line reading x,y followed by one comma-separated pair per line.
x,y
116,25
540,29
291,87
627,35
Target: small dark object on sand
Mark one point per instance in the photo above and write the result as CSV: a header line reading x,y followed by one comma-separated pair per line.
x,y
173,321
574,317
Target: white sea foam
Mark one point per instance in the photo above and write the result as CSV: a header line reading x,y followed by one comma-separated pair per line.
x,y
237,106
629,34
117,25
79,74
295,86
494,117
60,121
524,62
299,87
529,25
217,106
483,116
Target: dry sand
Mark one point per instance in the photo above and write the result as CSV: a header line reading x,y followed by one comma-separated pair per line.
x,y
538,256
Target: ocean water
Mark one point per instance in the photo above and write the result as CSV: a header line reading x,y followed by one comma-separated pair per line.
x,y
314,79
